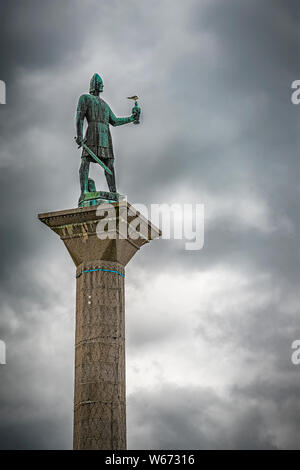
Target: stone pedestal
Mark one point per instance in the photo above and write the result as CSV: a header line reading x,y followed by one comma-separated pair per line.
x,y
99,398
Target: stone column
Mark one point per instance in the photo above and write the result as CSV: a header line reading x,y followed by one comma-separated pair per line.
x,y
99,404
99,396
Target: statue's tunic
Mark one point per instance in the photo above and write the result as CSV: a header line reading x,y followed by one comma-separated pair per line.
x,y
98,115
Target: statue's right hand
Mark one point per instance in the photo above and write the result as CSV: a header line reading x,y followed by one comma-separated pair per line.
x,y
136,111
79,141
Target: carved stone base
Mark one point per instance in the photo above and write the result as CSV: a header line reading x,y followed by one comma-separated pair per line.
x,y
93,198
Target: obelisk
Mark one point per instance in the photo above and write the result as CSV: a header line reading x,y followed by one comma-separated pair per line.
x,y
100,260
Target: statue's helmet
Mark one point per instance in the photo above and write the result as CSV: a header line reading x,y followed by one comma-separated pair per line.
x,y
96,83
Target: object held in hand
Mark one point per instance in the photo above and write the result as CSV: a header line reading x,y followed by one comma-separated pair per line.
x,y
136,110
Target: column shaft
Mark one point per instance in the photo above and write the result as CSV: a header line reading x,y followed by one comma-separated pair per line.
x,y
99,402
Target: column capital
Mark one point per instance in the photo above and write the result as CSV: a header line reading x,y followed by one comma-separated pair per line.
x,y
86,237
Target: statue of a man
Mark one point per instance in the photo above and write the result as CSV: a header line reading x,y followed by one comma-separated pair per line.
x,y
98,138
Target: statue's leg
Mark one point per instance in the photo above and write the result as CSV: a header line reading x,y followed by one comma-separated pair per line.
x,y
84,174
111,180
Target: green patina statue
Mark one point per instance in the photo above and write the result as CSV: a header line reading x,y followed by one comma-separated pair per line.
x,y
97,144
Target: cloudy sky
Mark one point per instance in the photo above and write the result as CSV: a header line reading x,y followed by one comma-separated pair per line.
x,y
209,332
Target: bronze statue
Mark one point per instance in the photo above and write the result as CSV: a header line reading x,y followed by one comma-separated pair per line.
x,y
97,144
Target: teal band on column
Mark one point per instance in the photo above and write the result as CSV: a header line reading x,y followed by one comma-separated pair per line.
x,y
100,269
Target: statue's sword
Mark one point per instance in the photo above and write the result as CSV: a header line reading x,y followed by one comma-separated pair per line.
x,y
96,158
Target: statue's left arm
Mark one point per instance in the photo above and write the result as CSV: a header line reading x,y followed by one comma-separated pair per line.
x,y
116,121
